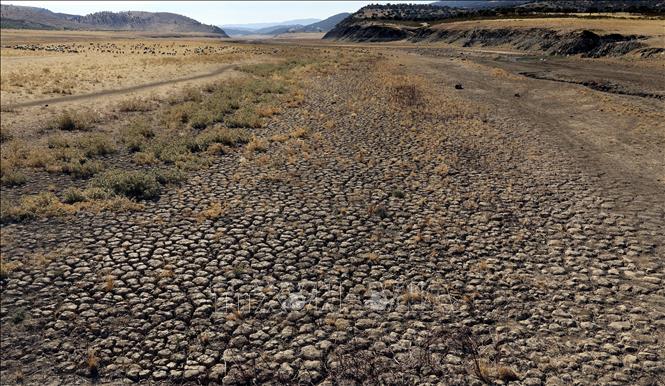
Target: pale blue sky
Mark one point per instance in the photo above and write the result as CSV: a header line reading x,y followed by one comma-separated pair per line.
x,y
214,12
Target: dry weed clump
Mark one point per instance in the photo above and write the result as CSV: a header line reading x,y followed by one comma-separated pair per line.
x,y
6,268
256,144
215,211
33,206
301,132
73,121
135,104
10,176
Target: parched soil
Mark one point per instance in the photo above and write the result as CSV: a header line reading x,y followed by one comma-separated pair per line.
x,y
506,231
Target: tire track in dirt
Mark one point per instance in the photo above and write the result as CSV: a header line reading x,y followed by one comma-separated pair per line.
x,y
73,98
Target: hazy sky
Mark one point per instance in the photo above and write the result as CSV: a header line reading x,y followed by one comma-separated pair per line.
x,y
213,12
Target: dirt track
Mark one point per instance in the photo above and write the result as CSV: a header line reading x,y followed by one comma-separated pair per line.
x,y
542,235
126,90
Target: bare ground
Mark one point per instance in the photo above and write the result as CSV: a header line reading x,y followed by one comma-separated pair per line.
x,y
442,237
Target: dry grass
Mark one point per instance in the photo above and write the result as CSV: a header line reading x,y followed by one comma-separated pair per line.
x,y
73,120
214,212
95,70
301,132
257,144
413,296
373,257
92,363
109,283
6,268
182,132
134,104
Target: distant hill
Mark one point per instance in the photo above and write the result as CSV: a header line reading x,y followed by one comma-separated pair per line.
x,y
325,25
285,26
266,28
278,29
14,16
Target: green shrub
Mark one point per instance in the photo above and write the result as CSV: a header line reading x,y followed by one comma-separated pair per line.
x,y
58,141
73,195
95,193
133,184
13,177
137,135
32,206
169,176
96,145
245,117
82,169
171,152
229,137
200,119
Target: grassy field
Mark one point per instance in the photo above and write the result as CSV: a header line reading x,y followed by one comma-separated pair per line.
x,y
158,133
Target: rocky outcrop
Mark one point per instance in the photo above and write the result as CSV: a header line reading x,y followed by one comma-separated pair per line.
x,y
368,33
582,42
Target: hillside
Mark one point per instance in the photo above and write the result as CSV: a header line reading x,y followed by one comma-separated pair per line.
x,y
594,35
14,16
325,25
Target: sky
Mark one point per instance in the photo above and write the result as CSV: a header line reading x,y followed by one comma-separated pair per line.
x,y
214,12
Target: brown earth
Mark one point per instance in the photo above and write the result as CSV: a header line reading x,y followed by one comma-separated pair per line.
x,y
393,228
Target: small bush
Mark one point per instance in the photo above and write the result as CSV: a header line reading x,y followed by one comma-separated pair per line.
x,y
134,104
71,121
137,135
33,206
178,150
300,132
257,145
6,268
133,184
73,195
145,158
245,117
66,154
58,141
169,176
96,145
267,111
228,137
213,212
94,193
179,115
82,169
201,119
12,177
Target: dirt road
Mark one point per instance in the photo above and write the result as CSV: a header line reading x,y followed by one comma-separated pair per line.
x,y
127,90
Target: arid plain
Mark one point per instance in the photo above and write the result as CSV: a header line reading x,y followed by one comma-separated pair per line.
x,y
298,211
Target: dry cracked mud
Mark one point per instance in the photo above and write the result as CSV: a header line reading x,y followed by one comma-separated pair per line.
x,y
418,238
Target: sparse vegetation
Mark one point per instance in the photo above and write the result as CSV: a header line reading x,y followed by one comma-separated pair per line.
x,y
73,120
139,185
215,211
134,104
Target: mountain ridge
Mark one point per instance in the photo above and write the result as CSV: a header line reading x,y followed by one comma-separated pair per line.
x,y
16,16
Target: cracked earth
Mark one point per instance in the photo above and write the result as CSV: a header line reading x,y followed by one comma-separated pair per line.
x,y
360,253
